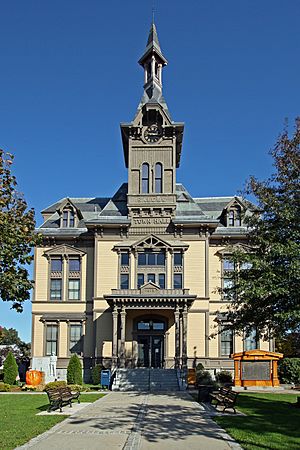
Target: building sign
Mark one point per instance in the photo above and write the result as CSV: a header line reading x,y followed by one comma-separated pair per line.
x,y
151,221
256,370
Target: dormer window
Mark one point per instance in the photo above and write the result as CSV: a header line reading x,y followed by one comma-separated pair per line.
x,y
234,217
68,218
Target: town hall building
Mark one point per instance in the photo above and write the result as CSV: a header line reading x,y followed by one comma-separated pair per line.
x,y
135,280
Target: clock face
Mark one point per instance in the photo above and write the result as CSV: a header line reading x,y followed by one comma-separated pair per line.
x,y
152,133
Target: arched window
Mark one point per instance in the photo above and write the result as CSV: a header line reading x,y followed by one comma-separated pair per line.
x,y
158,178
149,70
145,178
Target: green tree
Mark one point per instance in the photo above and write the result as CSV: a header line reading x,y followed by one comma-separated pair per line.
x,y
266,280
17,238
10,369
11,341
74,370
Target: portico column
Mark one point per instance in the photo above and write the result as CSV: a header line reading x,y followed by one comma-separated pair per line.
x,y
184,337
177,337
115,314
123,336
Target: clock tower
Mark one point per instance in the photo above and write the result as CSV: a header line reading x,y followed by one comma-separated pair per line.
x,y
152,146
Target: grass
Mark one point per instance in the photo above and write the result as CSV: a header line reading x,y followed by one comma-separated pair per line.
x,y
272,422
18,420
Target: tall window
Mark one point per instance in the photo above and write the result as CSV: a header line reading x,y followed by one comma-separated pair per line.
x,y
74,264
55,289
68,218
75,338
149,258
226,342
56,264
145,178
177,281
177,259
124,281
151,277
234,217
162,280
124,259
228,268
51,339
74,289
140,280
158,178
250,340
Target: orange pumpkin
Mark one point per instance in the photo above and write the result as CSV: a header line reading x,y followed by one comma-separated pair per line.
x,y
34,377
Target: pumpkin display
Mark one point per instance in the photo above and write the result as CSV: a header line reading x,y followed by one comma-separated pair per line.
x,y
34,377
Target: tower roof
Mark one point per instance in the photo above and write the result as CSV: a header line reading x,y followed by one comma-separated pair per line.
x,y
153,46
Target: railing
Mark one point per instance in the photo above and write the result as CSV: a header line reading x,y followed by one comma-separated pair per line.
x,y
172,292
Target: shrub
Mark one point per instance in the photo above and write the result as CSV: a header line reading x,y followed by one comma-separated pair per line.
x,y
74,371
4,387
289,370
55,384
77,387
224,377
96,374
204,377
10,369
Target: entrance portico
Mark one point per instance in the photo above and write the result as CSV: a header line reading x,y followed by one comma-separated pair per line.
x,y
150,313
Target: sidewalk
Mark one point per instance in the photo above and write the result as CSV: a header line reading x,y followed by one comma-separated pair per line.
x,y
133,421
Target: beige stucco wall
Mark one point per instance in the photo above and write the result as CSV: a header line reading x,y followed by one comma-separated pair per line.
x,y
194,268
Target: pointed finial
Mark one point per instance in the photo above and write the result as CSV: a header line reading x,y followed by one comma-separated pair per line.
x,y
153,11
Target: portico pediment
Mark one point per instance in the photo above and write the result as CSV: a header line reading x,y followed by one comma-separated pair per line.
x,y
149,288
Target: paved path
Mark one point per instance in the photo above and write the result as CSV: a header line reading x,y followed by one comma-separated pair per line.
x,y
132,421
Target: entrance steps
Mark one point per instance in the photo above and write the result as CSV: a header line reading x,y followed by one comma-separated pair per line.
x,y
145,380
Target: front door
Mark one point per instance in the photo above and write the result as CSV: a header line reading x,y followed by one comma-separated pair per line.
x,y
150,351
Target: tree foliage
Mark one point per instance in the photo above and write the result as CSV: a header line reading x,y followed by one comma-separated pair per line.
x,y
265,286
10,369
74,370
17,238
11,342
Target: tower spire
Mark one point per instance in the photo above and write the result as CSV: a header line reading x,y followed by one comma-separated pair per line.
x,y
153,62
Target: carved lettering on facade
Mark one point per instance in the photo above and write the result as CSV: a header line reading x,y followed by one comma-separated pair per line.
x,y
151,221
153,199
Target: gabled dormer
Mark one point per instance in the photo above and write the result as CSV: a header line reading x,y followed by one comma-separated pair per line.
x,y
233,213
69,215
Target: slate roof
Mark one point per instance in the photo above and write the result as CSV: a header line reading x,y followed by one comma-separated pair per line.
x,y
105,210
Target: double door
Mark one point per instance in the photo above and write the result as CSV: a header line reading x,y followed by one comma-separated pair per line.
x,y
150,351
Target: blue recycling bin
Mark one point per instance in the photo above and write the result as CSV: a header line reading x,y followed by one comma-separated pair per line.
x,y
105,378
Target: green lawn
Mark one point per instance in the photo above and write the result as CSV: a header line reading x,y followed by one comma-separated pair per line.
x,y
18,420
272,422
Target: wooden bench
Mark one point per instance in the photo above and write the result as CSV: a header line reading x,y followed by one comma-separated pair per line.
x,y
225,397
59,397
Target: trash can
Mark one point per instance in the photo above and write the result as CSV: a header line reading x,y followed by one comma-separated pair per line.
x,y
203,392
105,378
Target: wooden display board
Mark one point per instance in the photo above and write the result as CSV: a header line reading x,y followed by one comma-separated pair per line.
x,y
256,368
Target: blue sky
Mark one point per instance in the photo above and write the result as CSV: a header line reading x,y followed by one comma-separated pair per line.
x,y
69,76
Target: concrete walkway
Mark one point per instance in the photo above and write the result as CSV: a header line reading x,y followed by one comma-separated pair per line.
x,y
133,421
